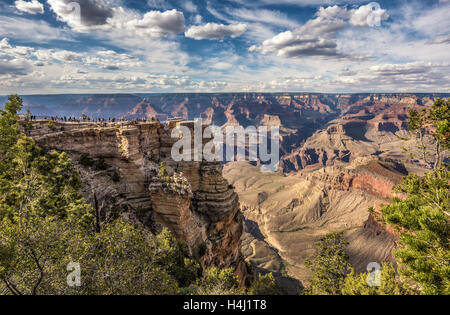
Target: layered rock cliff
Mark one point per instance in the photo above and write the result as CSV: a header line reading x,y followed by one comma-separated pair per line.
x,y
372,126
120,169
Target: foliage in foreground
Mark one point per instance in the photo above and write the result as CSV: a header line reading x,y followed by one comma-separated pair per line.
x,y
420,216
389,283
333,274
330,266
265,285
45,225
422,220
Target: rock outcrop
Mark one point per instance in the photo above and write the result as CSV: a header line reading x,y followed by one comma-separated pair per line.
x,y
119,165
372,126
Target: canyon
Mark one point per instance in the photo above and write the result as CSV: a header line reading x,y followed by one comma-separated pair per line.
x,y
120,167
341,155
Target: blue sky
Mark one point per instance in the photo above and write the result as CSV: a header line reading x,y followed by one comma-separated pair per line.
x,y
109,46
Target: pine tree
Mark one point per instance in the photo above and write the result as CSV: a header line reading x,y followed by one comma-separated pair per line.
x,y
420,214
390,284
330,266
422,220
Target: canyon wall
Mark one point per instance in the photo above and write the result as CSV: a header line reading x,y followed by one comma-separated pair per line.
x,y
120,165
286,215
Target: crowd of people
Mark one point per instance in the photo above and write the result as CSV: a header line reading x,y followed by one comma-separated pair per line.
x,y
85,118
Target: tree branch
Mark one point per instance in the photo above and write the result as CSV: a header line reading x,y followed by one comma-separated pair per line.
x,y
12,288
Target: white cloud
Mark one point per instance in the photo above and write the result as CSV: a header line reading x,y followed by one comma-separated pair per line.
x,y
405,69
317,37
83,15
445,39
13,61
32,7
433,22
407,53
263,16
155,23
189,6
4,44
198,19
215,31
114,54
104,15
368,15
158,4
31,30
14,52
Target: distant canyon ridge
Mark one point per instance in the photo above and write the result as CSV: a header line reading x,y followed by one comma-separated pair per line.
x,y
299,115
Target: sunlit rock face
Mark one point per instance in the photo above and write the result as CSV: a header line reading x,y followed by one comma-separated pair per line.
x,y
327,184
286,215
119,166
373,125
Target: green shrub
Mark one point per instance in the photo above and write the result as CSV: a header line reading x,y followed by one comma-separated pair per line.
x,y
217,281
265,285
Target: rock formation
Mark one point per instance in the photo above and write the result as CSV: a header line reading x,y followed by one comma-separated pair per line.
x,y
119,166
286,215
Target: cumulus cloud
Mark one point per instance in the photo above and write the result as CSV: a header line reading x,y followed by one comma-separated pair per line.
x,y
368,15
14,52
82,15
91,15
13,59
317,37
155,23
4,43
32,7
215,31
114,54
103,59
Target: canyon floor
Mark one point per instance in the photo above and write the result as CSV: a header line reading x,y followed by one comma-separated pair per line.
x,y
286,215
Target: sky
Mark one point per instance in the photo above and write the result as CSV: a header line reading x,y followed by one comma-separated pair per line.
x,y
165,46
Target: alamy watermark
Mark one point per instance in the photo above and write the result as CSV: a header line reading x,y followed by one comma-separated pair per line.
x,y
374,277
232,143
74,277
376,15
75,11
